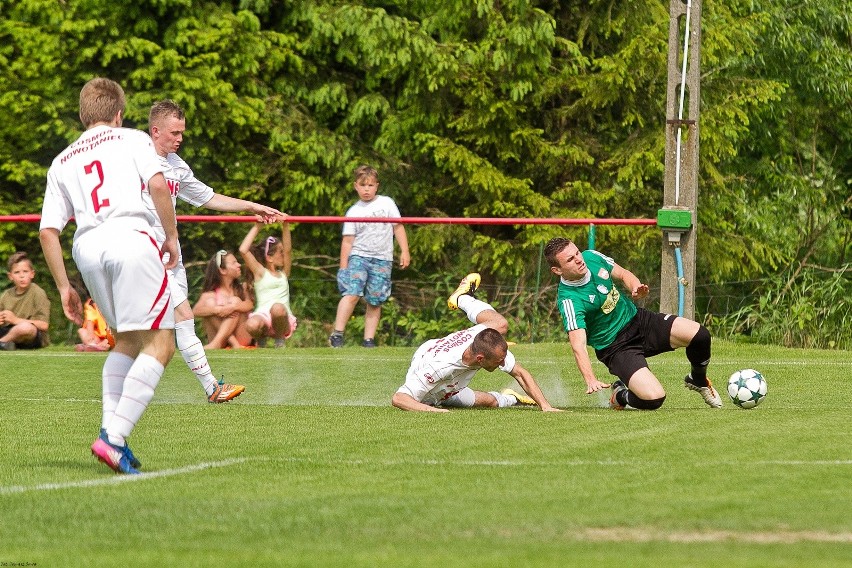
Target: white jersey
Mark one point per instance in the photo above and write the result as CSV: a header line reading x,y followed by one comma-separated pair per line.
x,y
100,177
182,183
372,240
98,180
437,371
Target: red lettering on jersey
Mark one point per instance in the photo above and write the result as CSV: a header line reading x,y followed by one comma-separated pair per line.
x,y
95,167
174,186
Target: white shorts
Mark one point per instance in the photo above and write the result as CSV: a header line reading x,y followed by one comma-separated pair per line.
x,y
462,399
178,284
123,272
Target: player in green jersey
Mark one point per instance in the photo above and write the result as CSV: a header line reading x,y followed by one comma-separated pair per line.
x,y
595,313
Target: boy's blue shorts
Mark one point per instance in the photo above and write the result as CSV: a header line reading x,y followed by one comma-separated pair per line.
x,y
368,277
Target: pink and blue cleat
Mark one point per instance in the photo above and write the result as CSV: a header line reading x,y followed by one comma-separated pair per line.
x,y
116,457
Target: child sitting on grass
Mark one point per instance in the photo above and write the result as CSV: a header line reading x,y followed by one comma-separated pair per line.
x,y
24,308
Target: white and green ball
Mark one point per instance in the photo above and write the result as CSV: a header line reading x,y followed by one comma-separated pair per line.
x,y
747,388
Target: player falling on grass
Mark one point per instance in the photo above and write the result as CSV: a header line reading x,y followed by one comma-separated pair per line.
x,y
595,313
441,369
167,123
96,180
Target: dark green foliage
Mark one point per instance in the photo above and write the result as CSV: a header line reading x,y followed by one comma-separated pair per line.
x,y
467,108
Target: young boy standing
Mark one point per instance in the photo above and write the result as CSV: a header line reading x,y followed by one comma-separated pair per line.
x,y
24,308
366,257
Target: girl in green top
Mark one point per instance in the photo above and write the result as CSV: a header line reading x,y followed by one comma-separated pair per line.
x,y
269,263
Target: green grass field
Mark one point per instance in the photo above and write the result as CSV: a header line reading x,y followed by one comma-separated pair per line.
x,y
313,467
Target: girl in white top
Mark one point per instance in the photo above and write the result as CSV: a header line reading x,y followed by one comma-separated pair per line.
x,y
269,264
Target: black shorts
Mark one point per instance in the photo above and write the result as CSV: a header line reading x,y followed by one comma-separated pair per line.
x,y
647,334
36,343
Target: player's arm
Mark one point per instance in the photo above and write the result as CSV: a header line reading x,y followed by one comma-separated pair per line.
x,y
229,204
407,402
631,282
346,250
162,198
530,386
577,337
402,239
52,249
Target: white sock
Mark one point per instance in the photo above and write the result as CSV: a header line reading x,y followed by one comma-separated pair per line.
x,y
504,400
192,351
138,391
472,307
115,369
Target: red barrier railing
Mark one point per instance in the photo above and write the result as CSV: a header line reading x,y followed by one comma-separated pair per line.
x,y
34,218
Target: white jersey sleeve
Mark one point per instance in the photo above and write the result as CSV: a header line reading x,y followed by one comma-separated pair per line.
x,y
100,177
182,183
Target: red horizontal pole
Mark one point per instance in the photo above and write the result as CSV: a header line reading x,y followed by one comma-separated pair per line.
x,y
34,218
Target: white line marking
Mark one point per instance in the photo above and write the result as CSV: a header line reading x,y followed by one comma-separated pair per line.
x,y
118,479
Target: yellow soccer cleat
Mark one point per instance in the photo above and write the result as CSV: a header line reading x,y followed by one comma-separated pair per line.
x,y
468,285
523,400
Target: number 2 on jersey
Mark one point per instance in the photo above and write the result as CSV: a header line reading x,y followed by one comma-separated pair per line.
x,y
96,166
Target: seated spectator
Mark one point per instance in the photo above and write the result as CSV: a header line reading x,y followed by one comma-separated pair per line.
x,y
224,303
269,263
24,308
95,333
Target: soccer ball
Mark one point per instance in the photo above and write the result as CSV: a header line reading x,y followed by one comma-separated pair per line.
x,y
747,388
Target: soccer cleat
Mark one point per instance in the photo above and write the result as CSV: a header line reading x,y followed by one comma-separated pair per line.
x,y
335,339
708,393
127,452
617,387
8,345
225,392
468,285
113,456
523,400
369,343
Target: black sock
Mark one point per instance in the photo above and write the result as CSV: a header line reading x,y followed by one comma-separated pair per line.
x,y
640,403
698,353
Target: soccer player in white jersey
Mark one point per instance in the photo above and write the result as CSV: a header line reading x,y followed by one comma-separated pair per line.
x,y
166,123
97,180
441,369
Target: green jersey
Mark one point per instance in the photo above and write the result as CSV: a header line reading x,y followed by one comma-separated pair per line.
x,y
593,303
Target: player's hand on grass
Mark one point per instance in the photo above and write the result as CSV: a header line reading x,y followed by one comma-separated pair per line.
x,y
595,386
551,409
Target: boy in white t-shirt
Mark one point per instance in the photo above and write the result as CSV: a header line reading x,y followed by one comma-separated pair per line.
x,y
366,257
441,369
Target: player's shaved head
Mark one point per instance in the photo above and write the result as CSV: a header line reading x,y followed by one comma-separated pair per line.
x,y
488,342
164,109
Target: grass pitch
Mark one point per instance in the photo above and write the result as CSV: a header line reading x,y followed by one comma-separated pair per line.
x,y
311,466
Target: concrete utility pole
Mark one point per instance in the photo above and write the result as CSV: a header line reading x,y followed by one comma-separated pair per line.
x,y
678,217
